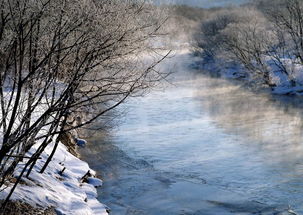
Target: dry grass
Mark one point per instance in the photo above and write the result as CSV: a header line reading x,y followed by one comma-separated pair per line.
x,y
21,208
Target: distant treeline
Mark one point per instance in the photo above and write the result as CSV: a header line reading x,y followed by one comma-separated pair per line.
x,y
263,37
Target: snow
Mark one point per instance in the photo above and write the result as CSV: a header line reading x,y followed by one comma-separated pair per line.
x,y
81,142
291,84
65,192
96,182
282,90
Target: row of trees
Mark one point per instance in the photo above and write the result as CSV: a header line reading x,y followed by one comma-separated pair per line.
x,y
265,37
65,58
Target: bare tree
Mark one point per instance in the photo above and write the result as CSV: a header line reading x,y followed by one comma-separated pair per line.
x,y
248,36
63,58
249,41
208,37
287,16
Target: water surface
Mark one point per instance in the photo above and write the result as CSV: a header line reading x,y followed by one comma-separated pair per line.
x,y
204,145
203,3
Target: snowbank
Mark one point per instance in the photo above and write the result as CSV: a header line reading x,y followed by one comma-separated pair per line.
x,y
63,190
61,186
285,90
283,84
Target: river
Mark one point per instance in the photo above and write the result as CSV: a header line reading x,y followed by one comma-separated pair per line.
x,y
202,146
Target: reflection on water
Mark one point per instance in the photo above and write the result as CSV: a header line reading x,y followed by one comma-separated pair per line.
x,y
271,121
203,146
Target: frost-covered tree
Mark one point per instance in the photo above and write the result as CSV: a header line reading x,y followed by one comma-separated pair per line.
x,y
61,59
249,41
265,39
209,37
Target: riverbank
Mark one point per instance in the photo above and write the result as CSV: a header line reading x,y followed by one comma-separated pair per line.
x,y
233,71
204,145
68,186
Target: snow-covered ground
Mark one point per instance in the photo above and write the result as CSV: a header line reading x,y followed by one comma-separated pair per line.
x,y
282,82
65,192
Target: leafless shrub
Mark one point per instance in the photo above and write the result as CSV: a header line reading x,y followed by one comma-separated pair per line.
x,y
60,58
266,38
249,40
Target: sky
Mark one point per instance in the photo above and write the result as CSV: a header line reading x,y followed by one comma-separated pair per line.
x,y
204,3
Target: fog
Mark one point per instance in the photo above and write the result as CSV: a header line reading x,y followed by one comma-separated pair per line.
x,y
204,3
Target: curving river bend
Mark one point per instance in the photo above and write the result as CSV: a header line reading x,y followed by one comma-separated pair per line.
x,y
202,146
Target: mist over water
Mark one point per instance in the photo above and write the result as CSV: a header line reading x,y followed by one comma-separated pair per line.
x,y
203,146
203,3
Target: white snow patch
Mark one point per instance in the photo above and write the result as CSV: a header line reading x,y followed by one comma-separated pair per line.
x,y
298,90
81,142
63,191
96,182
